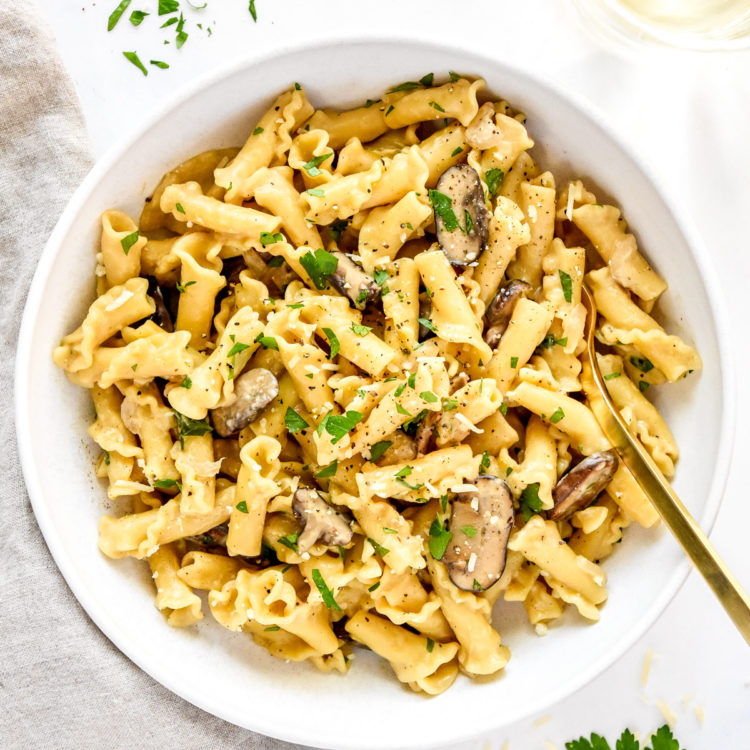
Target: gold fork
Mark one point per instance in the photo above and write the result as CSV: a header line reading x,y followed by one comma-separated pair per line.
x,y
698,548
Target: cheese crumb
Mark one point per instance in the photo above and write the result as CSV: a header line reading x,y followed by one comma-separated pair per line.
x,y
646,667
122,298
542,720
666,712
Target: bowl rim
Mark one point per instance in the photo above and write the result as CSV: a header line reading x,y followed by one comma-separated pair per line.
x,y
98,614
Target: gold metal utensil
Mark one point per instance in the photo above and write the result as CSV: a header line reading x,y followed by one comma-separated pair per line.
x,y
699,549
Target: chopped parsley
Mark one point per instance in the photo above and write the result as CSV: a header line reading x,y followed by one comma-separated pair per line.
x,y
427,324
317,192
319,266
514,362
612,375
333,341
428,396
328,471
484,464
405,472
400,409
436,106
241,506
549,341
325,592
293,421
271,629
470,531
661,739
443,206
439,539
276,262
137,16
642,364
159,64
379,548
129,240
557,415
117,14
289,540
337,228
531,503
168,6
450,404
267,342
643,386
312,166
430,645
427,80
252,10
133,57
186,383
456,151
493,177
406,86
266,238
453,76
567,285
338,425
187,427
374,586
389,110
166,484
258,130
182,287
378,449
360,330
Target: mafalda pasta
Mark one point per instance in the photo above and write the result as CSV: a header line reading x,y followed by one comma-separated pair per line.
x,y
339,372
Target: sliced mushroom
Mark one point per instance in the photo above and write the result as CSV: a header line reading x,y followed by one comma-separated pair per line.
x,y
464,242
500,310
161,315
425,435
353,282
582,484
254,390
320,522
480,523
482,132
216,537
425,310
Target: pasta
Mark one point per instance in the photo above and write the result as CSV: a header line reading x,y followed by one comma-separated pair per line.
x,y
339,373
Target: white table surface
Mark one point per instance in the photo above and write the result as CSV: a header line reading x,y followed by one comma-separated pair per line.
x,y
685,114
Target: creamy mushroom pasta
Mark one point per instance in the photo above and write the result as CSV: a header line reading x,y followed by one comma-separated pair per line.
x,y
339,372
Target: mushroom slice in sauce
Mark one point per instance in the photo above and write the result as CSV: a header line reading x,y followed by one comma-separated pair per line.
x,y
424,438
254,390
464,242
161,315
481,523
320,522
216,537
500,310
425,311
353,282
581,485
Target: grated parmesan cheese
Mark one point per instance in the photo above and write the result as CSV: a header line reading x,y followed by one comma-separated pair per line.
x,y
464,488
646,667
699,714
468,423
666,712
122,298
472,562
569,207
542,720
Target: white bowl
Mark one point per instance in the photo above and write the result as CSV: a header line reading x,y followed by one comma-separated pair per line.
x,y
225,673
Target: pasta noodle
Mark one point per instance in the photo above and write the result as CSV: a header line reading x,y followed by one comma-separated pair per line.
x,y
339,375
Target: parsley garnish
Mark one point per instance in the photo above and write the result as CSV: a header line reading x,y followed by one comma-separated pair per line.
x,y
258,130
181,35
493,177
443,206
117,13
557,415
325,592
379,548
360,330
436,106
182,287
159,64
187,427
128,241
456,151
643,386
237,348
378,449
338,425
612,375
567,285
549,341
337,228
503,409
252,10
334,342
470,531
271,629
319,266
186,383
242,506
406,86
133,57
453,76
389,110
400,409
450,404
439,539
430,645
484,464
312,166
374,586
427,324
317,192
661,739
531,503
514,362
641,363
328,471
427,80
290,540
168,6
266,238
428,396
137,16
276,262
405,472
165,484
293,421
267,342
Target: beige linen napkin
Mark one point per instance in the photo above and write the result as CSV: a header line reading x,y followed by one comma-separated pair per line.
x,y
62,683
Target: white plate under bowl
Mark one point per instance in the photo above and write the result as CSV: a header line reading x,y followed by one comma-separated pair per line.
x,y
225,673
